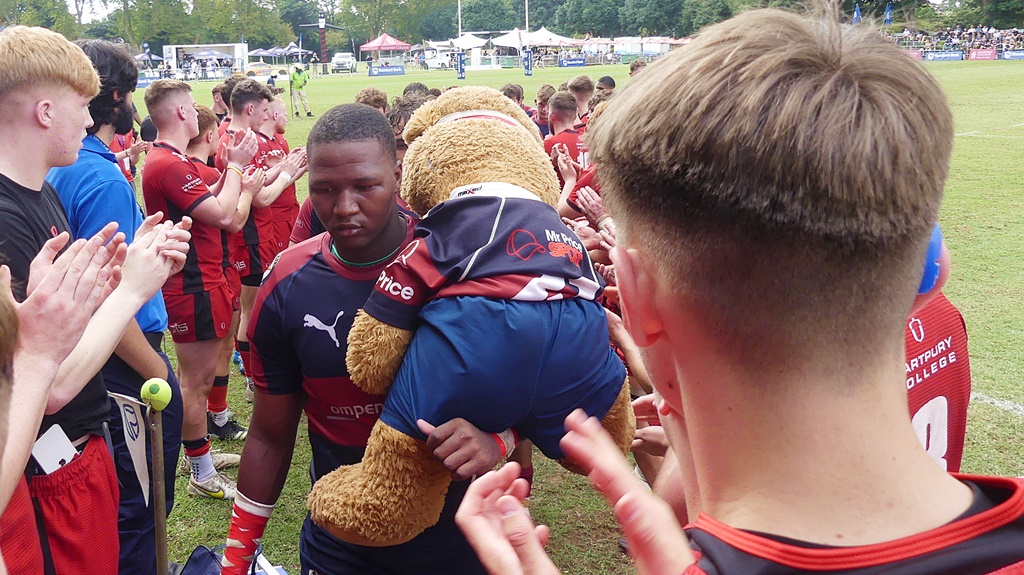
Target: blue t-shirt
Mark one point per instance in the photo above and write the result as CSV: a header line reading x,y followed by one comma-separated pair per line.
x,y
95,192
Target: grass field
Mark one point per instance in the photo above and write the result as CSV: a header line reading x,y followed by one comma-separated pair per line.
x,y
983,221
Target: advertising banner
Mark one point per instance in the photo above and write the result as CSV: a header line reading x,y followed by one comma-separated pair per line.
x,y
572,62
950,55
528,62
914,54
988,54
387,70
1013,55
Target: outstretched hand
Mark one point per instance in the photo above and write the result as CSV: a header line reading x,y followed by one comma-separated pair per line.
x,y
68,289
656,540
499,529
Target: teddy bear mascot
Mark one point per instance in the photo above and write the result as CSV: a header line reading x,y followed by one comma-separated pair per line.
x,y
489,314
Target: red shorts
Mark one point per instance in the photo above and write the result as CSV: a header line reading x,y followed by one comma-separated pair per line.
x,y
78,504
199,316
235,285
282,234
252,261
19,538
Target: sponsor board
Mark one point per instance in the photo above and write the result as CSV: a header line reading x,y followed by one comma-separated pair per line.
x,y
987,54
387,70
1013,55
949,55
572,62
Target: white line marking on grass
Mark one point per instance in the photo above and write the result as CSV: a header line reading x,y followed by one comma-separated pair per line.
x,y
993,136
1010,406
979,133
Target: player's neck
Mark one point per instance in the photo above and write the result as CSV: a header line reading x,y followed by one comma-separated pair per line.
x,y
824,454
176,137
105,133
559,126
28,170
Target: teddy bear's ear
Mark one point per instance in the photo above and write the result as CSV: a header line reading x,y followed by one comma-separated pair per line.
x,y
464,100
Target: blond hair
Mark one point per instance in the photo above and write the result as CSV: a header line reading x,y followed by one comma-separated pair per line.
x,y
32,56
784,172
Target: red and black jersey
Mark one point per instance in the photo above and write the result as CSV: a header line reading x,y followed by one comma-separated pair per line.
x,y
988,539
173,184
577,149
211,176
286,207
492,240
939,380
298,332
587,178
259,224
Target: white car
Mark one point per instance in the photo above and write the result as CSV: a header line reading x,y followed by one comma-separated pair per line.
x,y
343,62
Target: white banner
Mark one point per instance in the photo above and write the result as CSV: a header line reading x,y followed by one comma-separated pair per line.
x,y
133,419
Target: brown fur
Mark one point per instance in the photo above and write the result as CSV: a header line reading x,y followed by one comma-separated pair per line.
x,y
500,154
391,496
398,489
462,100
375,351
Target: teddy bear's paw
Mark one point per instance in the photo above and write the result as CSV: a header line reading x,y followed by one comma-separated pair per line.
x,y
391,497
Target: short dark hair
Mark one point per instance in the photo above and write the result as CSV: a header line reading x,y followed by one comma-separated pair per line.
x,y
228,87
513,92
608,81
118,73
247,92
352,123
415,87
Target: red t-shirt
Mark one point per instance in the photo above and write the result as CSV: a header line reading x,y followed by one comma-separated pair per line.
x,y
577,149
211,176
259,225
286,207
119,144
939,380
173,184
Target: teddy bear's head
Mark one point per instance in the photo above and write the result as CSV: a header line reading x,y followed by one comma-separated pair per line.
x,y
468,136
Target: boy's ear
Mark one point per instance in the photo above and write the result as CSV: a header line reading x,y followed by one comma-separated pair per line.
x,y
638,295
944,267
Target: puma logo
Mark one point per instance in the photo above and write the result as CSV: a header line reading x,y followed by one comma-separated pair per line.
x,y
312,321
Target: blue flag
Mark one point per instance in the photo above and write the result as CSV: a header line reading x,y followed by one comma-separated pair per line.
x,y
888,14
856,13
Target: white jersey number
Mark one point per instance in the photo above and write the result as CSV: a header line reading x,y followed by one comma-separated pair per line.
x,y
931,423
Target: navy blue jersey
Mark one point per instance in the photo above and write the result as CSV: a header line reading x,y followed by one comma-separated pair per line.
x,y
298,333
493,240
987,539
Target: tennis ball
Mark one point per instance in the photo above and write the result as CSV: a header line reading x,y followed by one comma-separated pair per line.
x,y
157,393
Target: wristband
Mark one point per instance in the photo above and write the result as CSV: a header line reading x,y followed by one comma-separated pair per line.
x,y
248,521
236,168
285,175
507,441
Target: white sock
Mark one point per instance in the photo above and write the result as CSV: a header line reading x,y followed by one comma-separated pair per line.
x,y
202,467
220,418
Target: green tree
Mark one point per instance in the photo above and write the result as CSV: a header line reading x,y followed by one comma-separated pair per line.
x,y
440,24
699,13
651,17
595,17
161,22
52,14
487,15
294,13
109,28
1005,14
542,12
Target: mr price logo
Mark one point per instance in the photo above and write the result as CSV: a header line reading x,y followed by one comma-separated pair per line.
x,y
387,284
